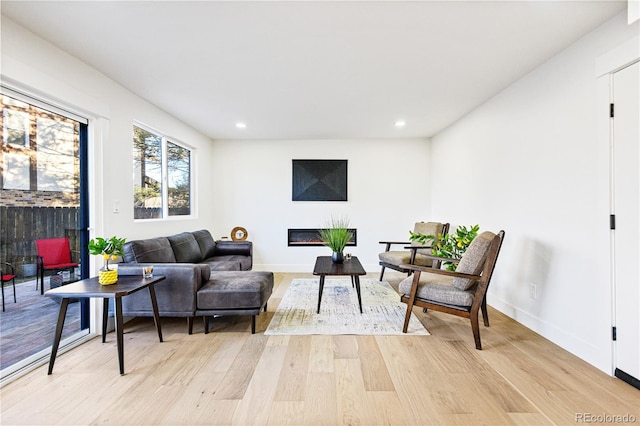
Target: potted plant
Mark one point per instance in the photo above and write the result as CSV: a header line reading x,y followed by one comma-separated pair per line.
x,y
336,235
109,249
450,246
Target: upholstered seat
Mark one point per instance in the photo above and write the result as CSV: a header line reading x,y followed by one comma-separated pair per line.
x,y
416,256
463,292
439,289
54,254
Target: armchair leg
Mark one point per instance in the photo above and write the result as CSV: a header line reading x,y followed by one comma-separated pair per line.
x,y
253,324
381,273
206,324
411,299
485,313
190,324
475,327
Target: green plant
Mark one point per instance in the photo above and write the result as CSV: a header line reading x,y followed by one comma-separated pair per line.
x,y
451,246
336,234
109,249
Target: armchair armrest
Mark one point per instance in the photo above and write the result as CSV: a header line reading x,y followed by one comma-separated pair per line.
x,y
389,243
440,271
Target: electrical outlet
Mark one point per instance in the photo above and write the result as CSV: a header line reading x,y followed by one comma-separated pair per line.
x,y
533,293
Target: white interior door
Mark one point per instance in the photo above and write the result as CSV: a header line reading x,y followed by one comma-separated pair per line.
x,y
626,202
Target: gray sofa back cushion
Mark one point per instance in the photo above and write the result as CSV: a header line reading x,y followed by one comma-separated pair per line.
x,y
185,248
206,243
149,251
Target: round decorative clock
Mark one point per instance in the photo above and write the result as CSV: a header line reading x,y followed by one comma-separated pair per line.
x,y
239,233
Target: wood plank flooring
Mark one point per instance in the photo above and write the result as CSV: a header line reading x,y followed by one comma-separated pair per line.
x,y
230,377
27,326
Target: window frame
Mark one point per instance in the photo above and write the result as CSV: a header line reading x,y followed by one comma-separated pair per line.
x,y
164,180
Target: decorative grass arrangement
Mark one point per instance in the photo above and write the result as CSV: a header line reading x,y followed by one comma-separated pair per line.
x,y
336,234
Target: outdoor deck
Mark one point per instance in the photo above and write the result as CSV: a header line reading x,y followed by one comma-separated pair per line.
x,y
27,327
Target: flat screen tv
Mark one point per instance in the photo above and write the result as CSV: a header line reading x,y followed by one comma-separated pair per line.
x,y
319,180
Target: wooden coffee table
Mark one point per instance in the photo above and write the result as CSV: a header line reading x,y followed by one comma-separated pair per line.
x,y
351,267
126,285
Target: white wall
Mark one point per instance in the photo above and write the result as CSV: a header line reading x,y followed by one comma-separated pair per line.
x,y
239,183
388,191
530,162
33,65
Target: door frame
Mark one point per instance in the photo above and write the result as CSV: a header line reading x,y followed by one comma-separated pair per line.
x,y
606,66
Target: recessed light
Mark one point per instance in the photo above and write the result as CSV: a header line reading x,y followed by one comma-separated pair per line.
x,y
400,123
240,125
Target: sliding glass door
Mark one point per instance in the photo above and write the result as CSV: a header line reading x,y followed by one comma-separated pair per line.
x,y
43,197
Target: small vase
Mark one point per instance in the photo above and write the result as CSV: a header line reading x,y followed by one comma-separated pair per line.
x,y
107,277
337,257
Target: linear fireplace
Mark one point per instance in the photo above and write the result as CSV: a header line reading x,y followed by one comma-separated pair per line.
x,y
311,237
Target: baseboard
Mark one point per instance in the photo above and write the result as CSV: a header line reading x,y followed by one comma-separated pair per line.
x,y
628,378
588,351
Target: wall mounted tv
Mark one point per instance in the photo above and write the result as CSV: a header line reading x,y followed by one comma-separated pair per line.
x,y
319,180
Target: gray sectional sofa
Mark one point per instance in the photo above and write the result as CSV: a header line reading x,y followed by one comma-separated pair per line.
x,y
204,277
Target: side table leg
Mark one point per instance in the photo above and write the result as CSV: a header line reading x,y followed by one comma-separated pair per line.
x,y
105,317
59,325
320,291
156,315
357,280
119,332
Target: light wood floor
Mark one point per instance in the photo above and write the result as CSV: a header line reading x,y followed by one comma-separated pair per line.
x,y
232,377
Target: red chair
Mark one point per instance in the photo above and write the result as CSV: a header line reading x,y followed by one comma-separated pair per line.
x,y
8,273
54,254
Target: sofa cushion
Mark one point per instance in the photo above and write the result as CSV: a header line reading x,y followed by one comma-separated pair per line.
x,y
206,243
152,250
185,248
473,259
223,263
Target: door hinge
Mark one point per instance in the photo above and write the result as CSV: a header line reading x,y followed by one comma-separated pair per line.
x,y
611,110
612,221
614,333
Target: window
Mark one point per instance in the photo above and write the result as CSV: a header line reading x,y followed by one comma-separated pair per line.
x,y
40,149
161,176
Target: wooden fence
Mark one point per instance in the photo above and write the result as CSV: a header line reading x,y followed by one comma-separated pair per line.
x,y
21,226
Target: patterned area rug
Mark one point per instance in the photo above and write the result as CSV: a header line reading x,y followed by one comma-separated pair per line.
x,y
382,311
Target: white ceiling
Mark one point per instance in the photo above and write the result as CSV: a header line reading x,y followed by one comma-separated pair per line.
x,y
313,70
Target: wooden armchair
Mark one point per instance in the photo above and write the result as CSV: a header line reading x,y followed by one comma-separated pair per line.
x,y
53,254
413,254
462,293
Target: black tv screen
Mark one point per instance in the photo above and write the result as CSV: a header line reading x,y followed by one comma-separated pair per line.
x,y
319,180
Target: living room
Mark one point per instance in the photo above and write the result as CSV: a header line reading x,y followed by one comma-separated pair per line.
x,y
530,159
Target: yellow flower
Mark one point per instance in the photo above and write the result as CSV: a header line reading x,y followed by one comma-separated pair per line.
x,y
114,257
105,256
